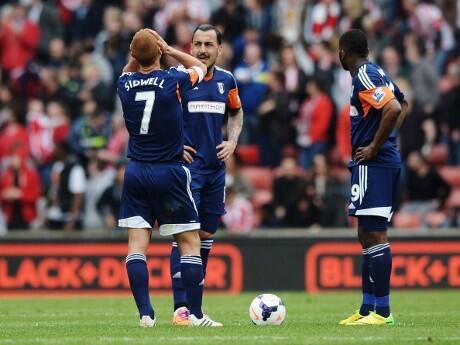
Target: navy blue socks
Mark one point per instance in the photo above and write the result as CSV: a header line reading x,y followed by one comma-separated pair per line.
x,y
368,302
136,266
193,280
380,271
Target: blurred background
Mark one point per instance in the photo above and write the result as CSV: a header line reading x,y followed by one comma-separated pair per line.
x,y
63,140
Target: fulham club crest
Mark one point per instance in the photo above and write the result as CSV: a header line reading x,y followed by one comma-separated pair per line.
x,y
220,87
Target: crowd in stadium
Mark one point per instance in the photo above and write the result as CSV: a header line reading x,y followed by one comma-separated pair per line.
x,y
63,140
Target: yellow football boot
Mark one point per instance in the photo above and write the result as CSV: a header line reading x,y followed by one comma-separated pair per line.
x,y
373,319
352,318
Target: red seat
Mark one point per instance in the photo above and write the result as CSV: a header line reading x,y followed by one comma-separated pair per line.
x,y
248,154
403,220
451,175
454,199
258,177
438,155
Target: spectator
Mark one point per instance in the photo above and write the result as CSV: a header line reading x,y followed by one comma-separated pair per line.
x,y
19,38
99,178
235,179
450,110
45,130
323,21
275,120
89,133
86,21
426,190
66,193
288,189
330,195
342,135
239,216
20,191
231,18
47,18
252,81
13,135
313,123
423,75
108,204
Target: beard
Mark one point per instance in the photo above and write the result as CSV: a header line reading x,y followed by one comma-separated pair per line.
x,y
342,62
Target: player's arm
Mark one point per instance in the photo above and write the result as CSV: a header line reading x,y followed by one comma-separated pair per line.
x,y
183,58
390,113
402,114
234,125
131,66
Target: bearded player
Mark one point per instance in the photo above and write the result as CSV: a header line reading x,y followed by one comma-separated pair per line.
x,y
205,150
377,108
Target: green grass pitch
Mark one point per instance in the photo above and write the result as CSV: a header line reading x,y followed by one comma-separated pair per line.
x,y
431,317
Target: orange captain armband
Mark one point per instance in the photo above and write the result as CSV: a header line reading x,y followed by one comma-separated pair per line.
x,y
233,99
375,98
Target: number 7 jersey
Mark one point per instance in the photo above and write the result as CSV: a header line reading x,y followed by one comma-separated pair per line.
x,y
152,112
372,90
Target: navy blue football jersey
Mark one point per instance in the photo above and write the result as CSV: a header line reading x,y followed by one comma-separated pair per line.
x,y
153,113
372,90
204,108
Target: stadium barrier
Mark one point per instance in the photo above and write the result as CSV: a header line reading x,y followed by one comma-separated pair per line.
x,y
89,263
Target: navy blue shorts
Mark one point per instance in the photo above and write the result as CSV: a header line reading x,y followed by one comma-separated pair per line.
x,y
373,193
158,192
208,191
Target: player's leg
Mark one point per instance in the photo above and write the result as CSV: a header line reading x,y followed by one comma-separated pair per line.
x,y
178,217
367,288
378,249
212,207
180,316
191,269
373,222
135,214
136,267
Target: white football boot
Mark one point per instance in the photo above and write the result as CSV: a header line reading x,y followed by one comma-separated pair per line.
x,y
146,321
205,321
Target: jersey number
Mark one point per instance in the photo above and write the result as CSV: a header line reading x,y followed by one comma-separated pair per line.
x,y
149,98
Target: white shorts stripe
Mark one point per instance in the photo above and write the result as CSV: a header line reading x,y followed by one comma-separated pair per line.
x,y
189,192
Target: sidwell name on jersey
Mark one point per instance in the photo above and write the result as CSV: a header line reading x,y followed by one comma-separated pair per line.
x,y
154,81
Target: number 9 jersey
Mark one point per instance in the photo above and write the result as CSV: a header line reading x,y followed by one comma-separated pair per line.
x,y
152,112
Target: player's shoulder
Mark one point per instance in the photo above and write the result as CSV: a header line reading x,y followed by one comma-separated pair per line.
x,y
223,71
225,76
369,76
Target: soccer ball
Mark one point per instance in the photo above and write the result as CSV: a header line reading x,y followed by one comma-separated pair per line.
x,y
267,309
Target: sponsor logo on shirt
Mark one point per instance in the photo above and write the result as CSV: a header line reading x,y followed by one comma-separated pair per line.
x,y
378,95
206,107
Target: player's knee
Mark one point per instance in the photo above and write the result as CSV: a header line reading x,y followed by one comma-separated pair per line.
x,y
205,235
138,240
188,243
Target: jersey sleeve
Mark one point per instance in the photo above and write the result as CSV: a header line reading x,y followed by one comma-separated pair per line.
x,y
233,98
187,78
373,91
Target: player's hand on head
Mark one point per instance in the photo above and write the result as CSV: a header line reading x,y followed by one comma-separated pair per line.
x,y
188,154
225,150
364,154
164,47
